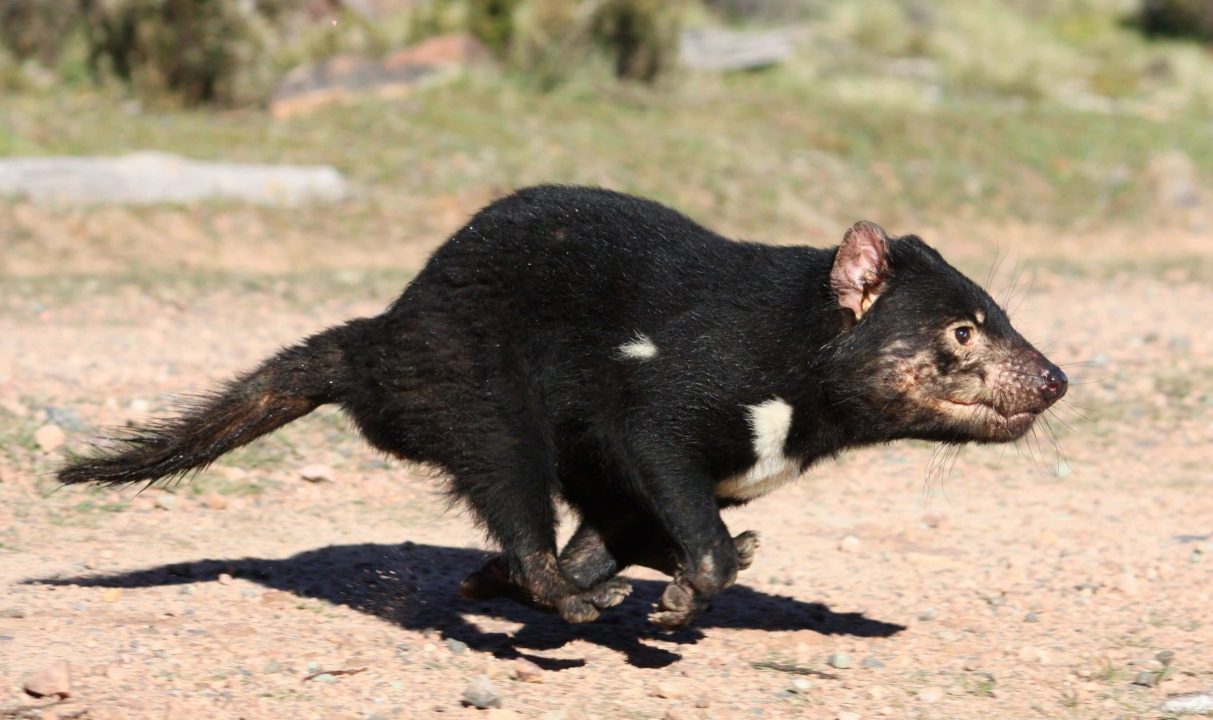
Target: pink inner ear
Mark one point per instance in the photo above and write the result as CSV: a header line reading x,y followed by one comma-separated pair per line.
x,y
860,267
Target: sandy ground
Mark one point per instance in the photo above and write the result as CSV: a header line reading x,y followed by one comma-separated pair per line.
x,y
1006,582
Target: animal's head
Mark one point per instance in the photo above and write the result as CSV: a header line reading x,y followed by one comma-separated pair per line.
x,y
937,357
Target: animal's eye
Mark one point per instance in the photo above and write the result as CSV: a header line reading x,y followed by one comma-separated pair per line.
x,y
964,334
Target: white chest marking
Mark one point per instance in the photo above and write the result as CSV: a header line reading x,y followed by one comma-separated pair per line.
x,y
769,423
639,347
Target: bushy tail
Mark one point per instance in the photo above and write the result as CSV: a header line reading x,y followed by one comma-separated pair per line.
x,y
285,387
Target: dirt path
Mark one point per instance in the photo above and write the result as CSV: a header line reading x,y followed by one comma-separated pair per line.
x,y
1016,587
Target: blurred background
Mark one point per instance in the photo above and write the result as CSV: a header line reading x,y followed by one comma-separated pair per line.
x,y
780,120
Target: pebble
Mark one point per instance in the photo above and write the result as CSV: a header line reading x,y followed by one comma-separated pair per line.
x,y
325,678
927,615
273,666
167,501
49,437
65,418
1127,583
840,660
849,544
1193,703
225,579
527,671
678,714
1063,469
1145,678
14,407
456,646
1166,657
480,693
1031,618
14,613
800,686
847,715
872,663
930,695
54,679
316,473
214,501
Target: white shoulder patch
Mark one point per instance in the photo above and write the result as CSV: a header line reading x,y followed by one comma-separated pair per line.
x,y
770,423
639,347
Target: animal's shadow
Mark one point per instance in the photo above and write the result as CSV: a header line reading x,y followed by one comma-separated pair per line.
x,y
415,585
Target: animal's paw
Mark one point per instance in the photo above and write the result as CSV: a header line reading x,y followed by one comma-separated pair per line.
x,y
747,545
587,605
677,607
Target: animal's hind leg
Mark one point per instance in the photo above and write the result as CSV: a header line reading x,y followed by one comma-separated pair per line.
x,y
594,553
512,496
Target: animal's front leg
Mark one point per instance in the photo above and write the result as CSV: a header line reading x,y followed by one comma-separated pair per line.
x,y
679,496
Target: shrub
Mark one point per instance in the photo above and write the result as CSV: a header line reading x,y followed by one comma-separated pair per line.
x,y
1177,18
196,51
37,29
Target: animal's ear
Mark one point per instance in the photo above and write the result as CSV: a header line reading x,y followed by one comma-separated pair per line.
x,y
861,267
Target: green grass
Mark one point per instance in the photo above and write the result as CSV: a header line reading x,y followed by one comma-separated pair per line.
x,y
759,154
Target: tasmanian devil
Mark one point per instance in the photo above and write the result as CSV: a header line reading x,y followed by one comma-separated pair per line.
x,y
604,349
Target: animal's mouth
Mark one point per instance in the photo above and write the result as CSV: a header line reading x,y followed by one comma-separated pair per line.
x,y
1004,426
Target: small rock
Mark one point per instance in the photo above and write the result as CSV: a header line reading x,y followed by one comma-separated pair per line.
x,y
678,714
14,613
49,437
1193,703
1145,678
14,407
65,418
1127,583
271,667
1166,657
225,579
930,695
849,544
669,690
1063,469
527,671
927,615
872,663
800,686
840,660
481,694
214,501
54,679
1031,617
847,715
139,406
316,473
328,678
112,595
456,646
167,501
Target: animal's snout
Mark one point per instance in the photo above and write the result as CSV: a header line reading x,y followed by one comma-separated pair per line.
x,y
1053,384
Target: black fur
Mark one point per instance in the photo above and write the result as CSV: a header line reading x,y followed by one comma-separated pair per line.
x,y
502,365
